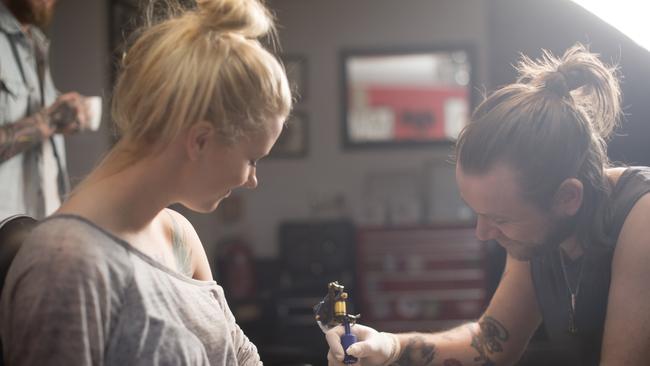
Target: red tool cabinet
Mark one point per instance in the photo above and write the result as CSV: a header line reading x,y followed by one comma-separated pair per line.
x,y
420,278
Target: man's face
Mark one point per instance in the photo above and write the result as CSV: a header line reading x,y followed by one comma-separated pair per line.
x,y
34,12
504,215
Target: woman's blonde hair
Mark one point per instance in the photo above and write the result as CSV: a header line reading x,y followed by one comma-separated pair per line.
x,y
203,63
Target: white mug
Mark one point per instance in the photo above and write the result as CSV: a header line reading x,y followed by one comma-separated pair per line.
x,y
94,105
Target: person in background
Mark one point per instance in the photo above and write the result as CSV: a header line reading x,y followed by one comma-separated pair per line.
x,y
33,117
114,277
533,166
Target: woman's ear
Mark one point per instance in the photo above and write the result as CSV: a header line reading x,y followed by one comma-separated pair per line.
x,y
568,198
198,136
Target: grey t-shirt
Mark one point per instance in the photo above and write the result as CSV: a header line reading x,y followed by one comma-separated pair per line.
x,y
77,295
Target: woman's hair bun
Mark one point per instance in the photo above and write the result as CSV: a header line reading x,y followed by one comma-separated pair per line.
x,y
250,18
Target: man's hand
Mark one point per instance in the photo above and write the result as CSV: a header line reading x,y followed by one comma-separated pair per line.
x,y
373,348
68,114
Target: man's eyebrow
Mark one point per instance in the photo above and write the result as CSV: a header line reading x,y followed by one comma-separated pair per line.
x,y
498,217
488,215
492,216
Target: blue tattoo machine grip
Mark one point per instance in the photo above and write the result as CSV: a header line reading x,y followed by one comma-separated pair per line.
x,y
347,340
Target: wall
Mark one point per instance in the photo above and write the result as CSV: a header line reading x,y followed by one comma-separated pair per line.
x,y
527,26
79,62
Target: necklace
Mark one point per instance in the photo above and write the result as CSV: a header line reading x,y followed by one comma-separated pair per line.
x,y
573,294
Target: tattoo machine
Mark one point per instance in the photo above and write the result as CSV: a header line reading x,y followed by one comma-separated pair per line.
x,y
332,311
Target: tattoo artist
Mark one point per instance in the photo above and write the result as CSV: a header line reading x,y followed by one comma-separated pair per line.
x,y
533,166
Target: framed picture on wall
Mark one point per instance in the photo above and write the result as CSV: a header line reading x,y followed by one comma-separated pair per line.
x,y
406,97
296,68
294,139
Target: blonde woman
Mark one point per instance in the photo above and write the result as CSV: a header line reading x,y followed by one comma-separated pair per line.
x,y
115,278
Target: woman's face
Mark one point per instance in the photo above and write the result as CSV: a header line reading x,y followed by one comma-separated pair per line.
x,y
225,167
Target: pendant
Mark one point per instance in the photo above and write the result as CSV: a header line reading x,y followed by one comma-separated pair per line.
x,y
572,316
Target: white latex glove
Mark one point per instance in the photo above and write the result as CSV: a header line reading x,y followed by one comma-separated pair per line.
x,y
372,348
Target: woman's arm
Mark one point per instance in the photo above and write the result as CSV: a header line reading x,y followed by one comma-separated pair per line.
x,y
246,351
193,248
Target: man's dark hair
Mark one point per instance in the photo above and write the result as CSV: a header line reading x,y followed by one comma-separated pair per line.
x,y
549,126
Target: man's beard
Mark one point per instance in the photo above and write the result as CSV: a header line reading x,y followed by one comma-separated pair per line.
x,y
28,13
560,230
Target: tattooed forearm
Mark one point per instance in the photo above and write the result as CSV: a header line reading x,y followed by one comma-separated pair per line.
x,y
452,362
417,352
20,136
489,340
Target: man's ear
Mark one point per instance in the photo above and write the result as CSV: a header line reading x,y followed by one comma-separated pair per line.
x,y
568,198
197,139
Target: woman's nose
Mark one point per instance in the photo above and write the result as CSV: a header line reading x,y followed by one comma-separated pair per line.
x,y
252,180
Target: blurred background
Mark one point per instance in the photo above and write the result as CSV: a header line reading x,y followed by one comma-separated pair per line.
x,y
360,189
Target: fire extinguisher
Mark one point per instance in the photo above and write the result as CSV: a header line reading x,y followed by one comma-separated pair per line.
x,y
238,270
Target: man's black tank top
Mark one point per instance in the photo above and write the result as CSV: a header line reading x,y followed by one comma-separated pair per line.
x,y
554,297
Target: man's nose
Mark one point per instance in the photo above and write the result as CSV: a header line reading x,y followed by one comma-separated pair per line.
x,y
485,229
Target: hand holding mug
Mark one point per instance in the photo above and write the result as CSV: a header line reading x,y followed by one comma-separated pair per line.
x,y
72,112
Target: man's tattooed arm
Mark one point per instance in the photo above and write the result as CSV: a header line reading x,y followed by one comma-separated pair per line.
x,y
456,347
31,131
417,352
489,340
452,362
20,136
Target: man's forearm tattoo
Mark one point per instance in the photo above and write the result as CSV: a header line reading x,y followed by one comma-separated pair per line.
x,y
19,137
452,362
417,352
488,340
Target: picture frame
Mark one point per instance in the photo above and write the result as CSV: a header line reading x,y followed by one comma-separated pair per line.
x,y
294,139
296,68
406,96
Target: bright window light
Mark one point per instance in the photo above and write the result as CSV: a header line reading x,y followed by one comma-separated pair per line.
x,y
628,16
